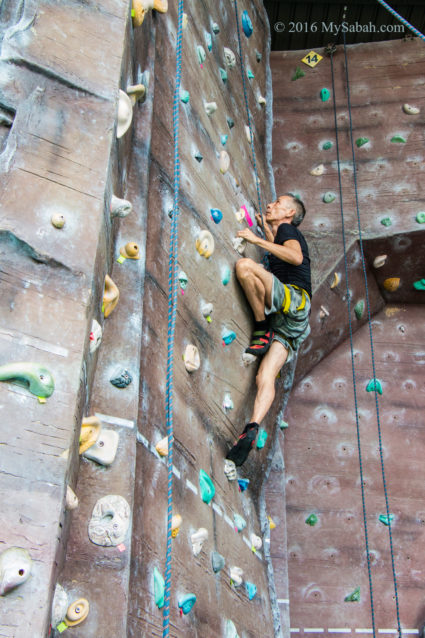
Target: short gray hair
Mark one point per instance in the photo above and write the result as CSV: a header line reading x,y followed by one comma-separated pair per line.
x,y
299,209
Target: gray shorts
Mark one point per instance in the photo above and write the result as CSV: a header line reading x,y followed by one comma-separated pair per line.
x,y
289,315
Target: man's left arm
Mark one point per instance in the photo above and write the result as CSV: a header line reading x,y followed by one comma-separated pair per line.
x,y
290,251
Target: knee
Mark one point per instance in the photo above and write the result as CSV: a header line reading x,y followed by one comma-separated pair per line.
x,y
243,267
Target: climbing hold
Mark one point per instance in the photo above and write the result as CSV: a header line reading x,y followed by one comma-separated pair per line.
x,y
229,58
251,590
206,487
162,446
130,251
225,275
109,521
246,215
392,284
243,484
374,385
324,312
325,95
256,542
201,53
329,197
410,110
176,521
379,261
60,605
230,122
386,221
198,539
205,244
354,597
158,588
223,140
240,522
136,92
141,7
240,215
231,630
420,218
216,215
398,139
247,24
228,336
124,114
272,524
248,358
184,21
104,450
77,612
230,469
111,294
15,568
335,280
283,425
227,402
318,170
186,603
224,158
298,73
311,520
198,156
217,562
90,431
361,141
183,281
122,380
223,74
261,100
326,146
184,96
215,28
191,358
31,376
419,285
58,220
208,40
71,499
210,107
359,309
236,574
250,74
239,244
119,207
206,309
248,134
386,520
258,56
261,440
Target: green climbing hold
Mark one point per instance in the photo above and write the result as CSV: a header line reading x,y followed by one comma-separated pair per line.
x,y
420,218
261,440
201,53
325,95
186,603
31,376
374,385
159,588
208,40
230,122
223,139
398,139
386,221
198,156
226,274
298,74
258,56
206,487
361,141
250,74
329,197
283,425
184,96
311,520
326,146
387,520
231,630
223,74
240,522
215,28
217,561
354,597
419,285
359,309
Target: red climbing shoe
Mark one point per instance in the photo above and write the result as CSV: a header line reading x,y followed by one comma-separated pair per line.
x,y
239,452
260,342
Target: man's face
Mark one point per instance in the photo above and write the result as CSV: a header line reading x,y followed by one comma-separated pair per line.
x,y
279,209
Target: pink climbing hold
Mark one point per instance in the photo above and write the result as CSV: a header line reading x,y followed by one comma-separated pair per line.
x,y
247,216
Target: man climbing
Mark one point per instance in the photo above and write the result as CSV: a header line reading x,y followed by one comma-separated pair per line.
x,y
280,302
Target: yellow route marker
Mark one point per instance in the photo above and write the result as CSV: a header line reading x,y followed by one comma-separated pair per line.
x,y
312,58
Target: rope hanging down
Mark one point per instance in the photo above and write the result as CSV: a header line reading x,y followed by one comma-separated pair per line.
x,y
172,308
402,20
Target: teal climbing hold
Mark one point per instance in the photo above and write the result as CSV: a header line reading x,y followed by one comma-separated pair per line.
x,y
217,562
223,74
419,285
311,520
283,425
184,96
386,520
329,197
374,385
361,141
231,630
228,337
326,146
325,95
198,156
359,309
223,139
354,597
247,24
208,40
243,484
258,56
216,215
250,74
230,122
186,603
159,588
398,139
226,274
251,590
31,376
215,28
206,487
240,522
298,73
201,53
420,218
386,221
261,439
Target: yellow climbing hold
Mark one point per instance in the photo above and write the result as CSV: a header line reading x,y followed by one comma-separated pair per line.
x,y
272,524
335,280
391,284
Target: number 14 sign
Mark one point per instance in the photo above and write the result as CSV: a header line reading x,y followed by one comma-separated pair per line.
x,y
312,58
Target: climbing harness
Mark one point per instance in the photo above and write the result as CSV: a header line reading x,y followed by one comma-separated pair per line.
x,y
371,344
402,20
172,308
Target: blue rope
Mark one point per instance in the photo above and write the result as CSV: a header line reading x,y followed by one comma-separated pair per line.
x,y
350,327
172,309
402,20
371,341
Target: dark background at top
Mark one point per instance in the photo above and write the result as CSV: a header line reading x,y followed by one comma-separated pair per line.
x,y
361,11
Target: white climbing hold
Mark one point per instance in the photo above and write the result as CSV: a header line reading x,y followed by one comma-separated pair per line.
x,y
248,133
231,630
318,170
323,312
236,576
261,100
124,114
59,605
198,539
210,107
240,215
176,521
227,402
109,521
192,360
229,58
71,499
224,162
256,542
206,309
230,470
411,110
184,21
95,336
239,244
15,568
379,261
104,450
120,207
248,358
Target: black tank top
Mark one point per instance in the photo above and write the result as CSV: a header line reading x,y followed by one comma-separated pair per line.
x,y
289,273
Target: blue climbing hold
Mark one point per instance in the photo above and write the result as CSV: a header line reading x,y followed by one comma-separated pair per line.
x,y
223,139
247,24
206,487
243,484
251,590
374,385
216,215
186,603
228,337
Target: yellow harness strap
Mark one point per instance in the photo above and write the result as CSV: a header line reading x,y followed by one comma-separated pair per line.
x,y
287,300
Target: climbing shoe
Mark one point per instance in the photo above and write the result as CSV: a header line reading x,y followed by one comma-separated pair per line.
x,y
239,452
261,341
